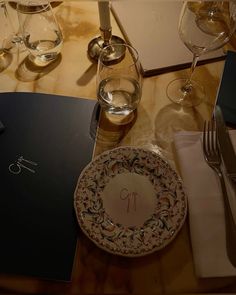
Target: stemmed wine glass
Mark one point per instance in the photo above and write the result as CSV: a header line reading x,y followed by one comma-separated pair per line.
x,y
201,33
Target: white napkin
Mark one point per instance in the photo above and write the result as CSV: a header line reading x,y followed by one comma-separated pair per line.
x,y
206,209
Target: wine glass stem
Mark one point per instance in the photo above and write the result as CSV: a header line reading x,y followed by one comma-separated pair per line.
x,y
188,85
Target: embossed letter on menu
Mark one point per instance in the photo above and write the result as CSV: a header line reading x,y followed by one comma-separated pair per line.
x,y
22,164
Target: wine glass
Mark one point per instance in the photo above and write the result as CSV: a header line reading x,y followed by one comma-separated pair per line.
x,y
201,33
41,33
119,81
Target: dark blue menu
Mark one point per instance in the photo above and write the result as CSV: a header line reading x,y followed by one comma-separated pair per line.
x,y
226,97
45,145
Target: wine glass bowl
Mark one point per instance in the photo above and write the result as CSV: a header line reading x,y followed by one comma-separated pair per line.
x,y
213,17
201,31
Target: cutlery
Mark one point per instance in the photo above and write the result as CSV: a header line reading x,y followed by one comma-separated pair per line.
x,y
213,159
226,147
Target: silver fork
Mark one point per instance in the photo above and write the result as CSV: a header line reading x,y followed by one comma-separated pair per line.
x,y
213,159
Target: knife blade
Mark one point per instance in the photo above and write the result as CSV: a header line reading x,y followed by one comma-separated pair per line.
x,y
226,147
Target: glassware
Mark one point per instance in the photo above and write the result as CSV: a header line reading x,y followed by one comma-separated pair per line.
x,y
14,41
210,15
119,84
200,38
5,27
5,32
41,33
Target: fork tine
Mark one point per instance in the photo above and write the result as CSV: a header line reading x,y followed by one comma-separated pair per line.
x,y
210,145
214,137
209,137
216,140
205,138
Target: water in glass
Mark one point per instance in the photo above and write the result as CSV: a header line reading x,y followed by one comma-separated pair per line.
x,y
119,84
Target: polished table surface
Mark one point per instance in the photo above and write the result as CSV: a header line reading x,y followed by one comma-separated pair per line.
x,y
95,271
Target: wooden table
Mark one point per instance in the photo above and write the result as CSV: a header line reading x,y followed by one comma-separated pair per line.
x,y
95,271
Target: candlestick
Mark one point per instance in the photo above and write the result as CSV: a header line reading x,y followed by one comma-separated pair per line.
x,y
97,44
104,15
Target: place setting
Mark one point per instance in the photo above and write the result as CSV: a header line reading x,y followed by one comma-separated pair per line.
x,y
129,201
110,181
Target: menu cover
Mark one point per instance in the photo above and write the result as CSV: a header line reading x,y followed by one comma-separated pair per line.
x,y
152,28
45,145
226,92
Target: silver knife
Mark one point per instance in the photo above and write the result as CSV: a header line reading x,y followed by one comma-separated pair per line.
x,y
226,147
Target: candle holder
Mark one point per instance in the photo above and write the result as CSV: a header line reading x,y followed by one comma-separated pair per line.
x,y
97,44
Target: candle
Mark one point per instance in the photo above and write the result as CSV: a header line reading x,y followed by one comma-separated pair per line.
x,y
104,15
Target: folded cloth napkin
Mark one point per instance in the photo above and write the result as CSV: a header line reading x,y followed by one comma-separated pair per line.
x,y
206,208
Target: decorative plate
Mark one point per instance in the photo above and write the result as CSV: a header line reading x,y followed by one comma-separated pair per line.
x,y
130,202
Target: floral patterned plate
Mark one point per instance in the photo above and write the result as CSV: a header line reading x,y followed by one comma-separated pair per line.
x,y
130,202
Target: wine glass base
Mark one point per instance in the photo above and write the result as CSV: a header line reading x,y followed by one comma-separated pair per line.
x,y
5,59
41,61
176,93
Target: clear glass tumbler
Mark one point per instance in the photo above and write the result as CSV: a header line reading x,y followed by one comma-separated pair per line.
x,y
119,83
41,33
